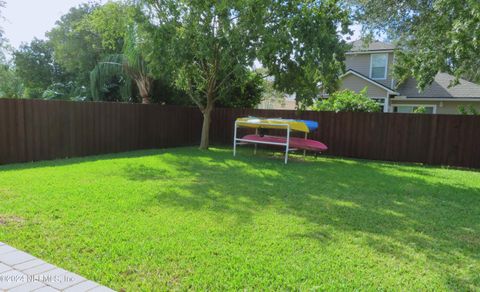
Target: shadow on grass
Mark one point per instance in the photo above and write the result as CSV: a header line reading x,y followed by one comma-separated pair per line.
x,y
78,160
397,209
404,205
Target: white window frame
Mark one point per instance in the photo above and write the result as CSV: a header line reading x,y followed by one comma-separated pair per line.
x,y
434,106
386,66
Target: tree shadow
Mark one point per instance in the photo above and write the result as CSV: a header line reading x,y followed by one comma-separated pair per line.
x,y
79,160
399,210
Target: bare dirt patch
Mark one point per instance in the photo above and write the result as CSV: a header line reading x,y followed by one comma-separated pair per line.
x,y
10,220
6,193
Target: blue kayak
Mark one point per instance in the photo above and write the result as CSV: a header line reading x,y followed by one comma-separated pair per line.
x,y
312,125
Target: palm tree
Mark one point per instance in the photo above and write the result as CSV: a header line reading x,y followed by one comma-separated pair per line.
x,y
130,66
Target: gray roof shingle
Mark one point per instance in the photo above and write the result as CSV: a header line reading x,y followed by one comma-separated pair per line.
x,y
361,46
439,88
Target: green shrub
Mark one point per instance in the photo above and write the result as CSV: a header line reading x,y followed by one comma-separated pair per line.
x,y
469,110
420,110
348,101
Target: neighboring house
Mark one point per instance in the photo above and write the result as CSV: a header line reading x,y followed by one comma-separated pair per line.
x,y
282,104
370,66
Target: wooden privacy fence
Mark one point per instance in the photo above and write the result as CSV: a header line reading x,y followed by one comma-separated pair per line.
x,y
32,130
431,139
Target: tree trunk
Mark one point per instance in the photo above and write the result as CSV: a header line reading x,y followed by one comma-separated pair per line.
x,y
205,140
144,85
146,100
207,113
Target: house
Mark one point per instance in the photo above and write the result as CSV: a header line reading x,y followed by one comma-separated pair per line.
x,y
370,66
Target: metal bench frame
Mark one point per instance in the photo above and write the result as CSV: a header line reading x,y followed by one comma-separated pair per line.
x,y
237,140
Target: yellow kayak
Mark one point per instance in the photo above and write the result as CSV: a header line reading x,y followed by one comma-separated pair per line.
x,y
264,123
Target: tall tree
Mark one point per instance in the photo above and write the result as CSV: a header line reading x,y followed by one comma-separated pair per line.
x,y
35,66
432,35
77,48
208,44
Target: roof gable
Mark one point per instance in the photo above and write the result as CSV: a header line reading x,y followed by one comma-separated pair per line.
x,y
350,71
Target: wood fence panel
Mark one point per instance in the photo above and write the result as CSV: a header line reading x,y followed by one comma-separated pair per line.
x,y
431,139
6,131
33,130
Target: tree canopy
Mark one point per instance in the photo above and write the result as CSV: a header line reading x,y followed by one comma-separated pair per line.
x,y
82,39
208,46
76,47
432,35
301,45
36,68
111,23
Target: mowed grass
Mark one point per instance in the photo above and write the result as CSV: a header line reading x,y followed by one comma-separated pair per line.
x,y
186,219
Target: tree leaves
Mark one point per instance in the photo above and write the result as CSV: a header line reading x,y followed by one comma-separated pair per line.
x,y
298,41
129,66
434,35
209,46
348,101
35,66
77,48
302,47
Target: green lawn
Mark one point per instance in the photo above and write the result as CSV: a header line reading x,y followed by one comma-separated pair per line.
x,y
183,218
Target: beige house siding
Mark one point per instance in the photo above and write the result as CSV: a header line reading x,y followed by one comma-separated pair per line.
x,y
356,84
361,64
443,107
440,93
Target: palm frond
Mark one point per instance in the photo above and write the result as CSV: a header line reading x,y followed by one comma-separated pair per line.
x,y
111,66
130,65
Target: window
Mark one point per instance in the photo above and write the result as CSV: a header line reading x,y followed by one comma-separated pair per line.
x,y
408,109
378,66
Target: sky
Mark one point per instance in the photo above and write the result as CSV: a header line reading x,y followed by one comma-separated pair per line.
x,y
26,19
